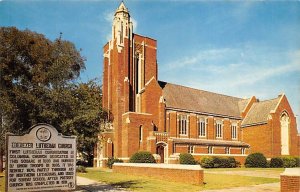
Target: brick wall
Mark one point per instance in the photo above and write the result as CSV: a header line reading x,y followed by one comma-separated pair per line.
x,y
131,132
266,138
193,128
259,138
290,180
284,107
192,174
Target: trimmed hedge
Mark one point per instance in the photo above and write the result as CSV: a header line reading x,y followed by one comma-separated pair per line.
x,y
286,162
219,162
207,162
297,161
289,162
112,160
256,160
186,158
276,162
142,157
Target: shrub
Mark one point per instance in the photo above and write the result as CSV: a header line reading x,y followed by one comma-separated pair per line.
x,y
82,163
276,162
289,162
297,161
233,163
142,157
186,158
112,160
80,169
256,160
207,162
219,162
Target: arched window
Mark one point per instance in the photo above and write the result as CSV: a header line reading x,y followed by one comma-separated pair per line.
x,y
219,129
183,124
284,128
234,131
202,127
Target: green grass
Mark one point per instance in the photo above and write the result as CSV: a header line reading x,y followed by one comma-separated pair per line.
x,y
138,183
142,183
277,170
2,182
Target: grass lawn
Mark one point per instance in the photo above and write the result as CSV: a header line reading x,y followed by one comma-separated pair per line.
x,y
2,182
142,183
277,170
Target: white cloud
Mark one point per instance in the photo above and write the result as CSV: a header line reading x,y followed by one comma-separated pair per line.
x,y
243,10
243,72
238,67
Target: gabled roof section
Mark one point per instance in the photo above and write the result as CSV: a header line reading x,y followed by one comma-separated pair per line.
x,y
185,98
259,112
243,104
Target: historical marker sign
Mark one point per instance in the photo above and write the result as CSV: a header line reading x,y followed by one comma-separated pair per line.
x,y
40,160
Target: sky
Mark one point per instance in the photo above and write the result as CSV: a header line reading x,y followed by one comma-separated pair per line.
x,y
236,48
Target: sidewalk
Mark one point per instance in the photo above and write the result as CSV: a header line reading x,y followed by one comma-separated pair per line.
x,y
88,185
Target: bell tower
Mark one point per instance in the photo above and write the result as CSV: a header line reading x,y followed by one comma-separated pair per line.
x,y
129,62
116,74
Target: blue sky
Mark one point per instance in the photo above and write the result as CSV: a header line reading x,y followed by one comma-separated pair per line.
x,y
235,48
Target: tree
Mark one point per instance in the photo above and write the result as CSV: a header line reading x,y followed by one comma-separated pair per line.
x,y
87,117
38,85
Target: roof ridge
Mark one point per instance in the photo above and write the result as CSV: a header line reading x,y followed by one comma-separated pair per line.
x,y
267,100
202,90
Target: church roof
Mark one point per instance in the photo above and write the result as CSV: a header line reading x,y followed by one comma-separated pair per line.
x,y
260,111
185,98
243,104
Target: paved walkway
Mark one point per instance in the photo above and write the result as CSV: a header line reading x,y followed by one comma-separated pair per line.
x,y
268,187
88,185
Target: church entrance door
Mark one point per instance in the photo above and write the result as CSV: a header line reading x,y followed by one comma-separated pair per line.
x,y
161,150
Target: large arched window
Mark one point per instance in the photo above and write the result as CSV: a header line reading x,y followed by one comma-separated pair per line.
x,y
284,128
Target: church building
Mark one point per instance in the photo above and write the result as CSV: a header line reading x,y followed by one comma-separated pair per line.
x,y
146,114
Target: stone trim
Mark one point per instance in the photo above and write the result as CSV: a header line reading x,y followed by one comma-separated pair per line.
x,y
291,172
138,113
254,124
161,165
215,154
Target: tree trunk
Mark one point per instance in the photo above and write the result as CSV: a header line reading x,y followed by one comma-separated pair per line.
x,y
1,160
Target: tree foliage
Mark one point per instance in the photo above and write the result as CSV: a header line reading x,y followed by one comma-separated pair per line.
x,y
38,85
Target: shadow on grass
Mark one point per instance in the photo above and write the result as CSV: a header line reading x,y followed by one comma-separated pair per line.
x,y
132,184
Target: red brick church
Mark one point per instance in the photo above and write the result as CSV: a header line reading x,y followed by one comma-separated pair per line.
x,y
167,119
